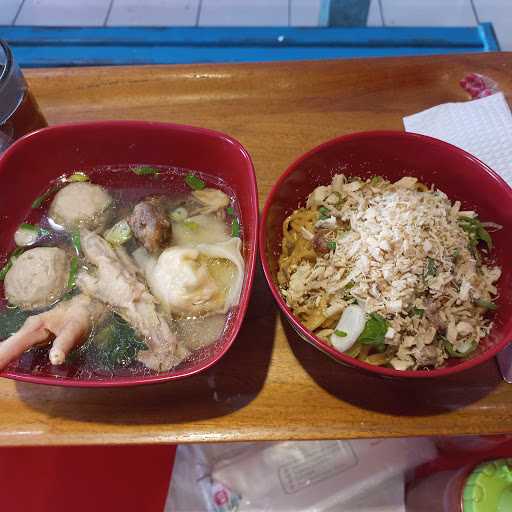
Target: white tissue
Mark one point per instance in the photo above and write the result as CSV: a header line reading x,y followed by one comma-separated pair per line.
x,y
481,127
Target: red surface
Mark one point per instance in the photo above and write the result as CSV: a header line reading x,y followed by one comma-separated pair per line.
x,y
394,155
85,478
28,166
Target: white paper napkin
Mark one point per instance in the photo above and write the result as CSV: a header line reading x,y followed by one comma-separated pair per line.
x,y
481,127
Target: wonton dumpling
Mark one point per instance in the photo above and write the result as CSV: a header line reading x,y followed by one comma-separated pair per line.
x,y
204,279
37,278
80,205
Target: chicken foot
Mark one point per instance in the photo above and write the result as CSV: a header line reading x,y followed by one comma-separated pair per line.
x,y
70,321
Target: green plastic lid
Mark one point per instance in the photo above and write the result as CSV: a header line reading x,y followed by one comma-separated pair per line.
x,y
489,487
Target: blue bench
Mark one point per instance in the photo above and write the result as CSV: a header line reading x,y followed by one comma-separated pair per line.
x,y
63,46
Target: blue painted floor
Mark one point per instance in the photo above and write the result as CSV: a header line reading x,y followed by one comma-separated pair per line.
x,y
259,13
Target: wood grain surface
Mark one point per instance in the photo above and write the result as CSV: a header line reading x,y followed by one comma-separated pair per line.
x,y
270,385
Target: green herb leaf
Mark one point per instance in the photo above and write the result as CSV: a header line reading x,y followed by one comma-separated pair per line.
x,y
374,331
38,201
194,182
77,177
73,271
476,231
145,170
331,245
486,304
324,213
418,312
235,228
118,344
10,262
341,334
431,268
230,210
11,319
28,227
452,352
76,242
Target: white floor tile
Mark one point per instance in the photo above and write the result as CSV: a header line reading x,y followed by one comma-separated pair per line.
x,y
428,13
154,12
499,13
63,12
374,16
305,13
244,13
8,11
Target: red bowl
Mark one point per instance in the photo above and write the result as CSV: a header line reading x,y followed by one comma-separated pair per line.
x,y
29,165
394,155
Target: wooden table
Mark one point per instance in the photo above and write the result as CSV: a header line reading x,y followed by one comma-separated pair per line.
x,y
270,385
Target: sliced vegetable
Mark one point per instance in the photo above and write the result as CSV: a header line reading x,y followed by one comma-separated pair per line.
x,y
77,177
324,212
118,344
194,182
375,329
235,228
476,231
486,304
11,319
351,324
38,201
73,271
76,242
10,262
145,170
179,214
119,233
331,245
230,210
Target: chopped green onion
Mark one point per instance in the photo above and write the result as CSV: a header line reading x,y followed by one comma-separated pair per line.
x,y
76,242
10,262
376,180
453,352
144,170
331,245
431,268
230,210
374,331
476,231
119,233
77,177
486,304
194,182
341,334
235,228
324,213
418,312
38,201
190,224
73,271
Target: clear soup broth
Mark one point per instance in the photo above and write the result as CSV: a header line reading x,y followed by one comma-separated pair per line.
x,y
153,253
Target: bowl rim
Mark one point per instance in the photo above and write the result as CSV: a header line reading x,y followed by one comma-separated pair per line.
x,y
241,308
306,334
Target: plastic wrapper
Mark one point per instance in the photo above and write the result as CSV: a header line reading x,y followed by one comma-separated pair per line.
x,y
314,476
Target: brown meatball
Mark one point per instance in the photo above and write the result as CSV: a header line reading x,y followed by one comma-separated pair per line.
x,y
150,225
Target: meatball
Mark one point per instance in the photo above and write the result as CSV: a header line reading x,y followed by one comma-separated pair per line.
x,y
150,225
80,205
37,278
